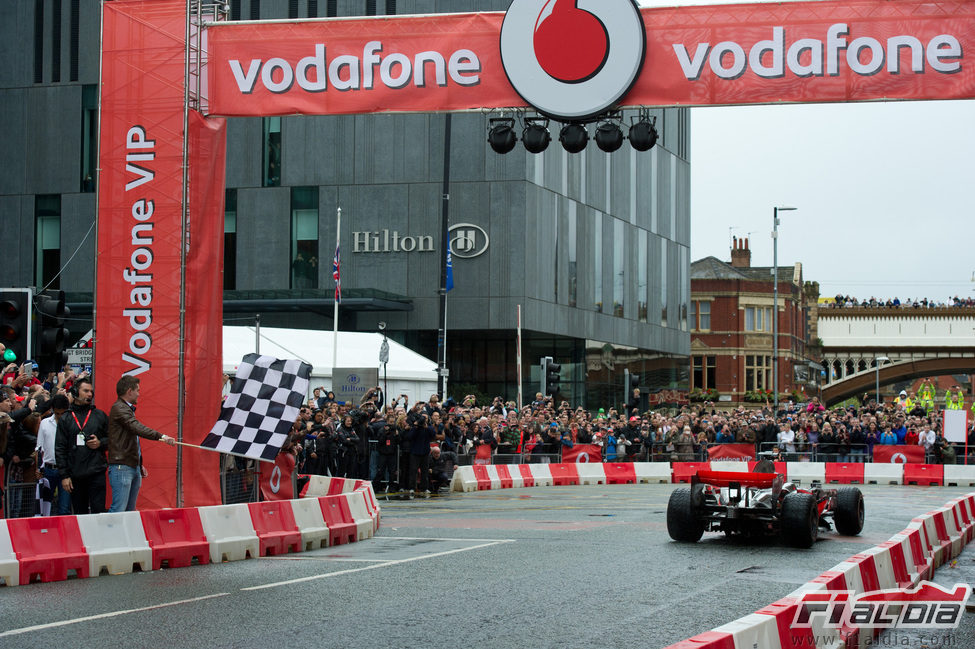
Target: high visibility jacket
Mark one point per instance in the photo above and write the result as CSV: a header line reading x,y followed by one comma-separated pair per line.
x,y
909,404
954,401
926,392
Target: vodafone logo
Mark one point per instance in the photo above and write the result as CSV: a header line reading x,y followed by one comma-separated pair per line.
x,y
572,59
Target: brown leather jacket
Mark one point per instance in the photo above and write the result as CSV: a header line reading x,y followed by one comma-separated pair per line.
x,y
122,430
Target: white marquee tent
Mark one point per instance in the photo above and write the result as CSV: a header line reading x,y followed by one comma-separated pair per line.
x,y
407,372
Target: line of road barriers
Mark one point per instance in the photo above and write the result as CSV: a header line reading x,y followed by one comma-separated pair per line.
x,y
241,484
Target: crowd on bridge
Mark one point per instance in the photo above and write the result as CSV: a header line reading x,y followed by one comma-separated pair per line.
x,y
848,302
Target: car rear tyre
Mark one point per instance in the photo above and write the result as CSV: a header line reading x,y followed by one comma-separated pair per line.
x,y
800,520
849,511
682,521
764,466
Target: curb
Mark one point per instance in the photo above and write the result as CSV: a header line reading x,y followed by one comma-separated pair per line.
x,y
47,549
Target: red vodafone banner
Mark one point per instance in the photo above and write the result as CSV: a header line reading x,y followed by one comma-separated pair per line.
x,y
275,479
583,453
701,55
898,454
140,198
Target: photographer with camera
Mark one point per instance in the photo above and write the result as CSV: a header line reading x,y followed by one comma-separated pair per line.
x,y
420,436
346,442
387,446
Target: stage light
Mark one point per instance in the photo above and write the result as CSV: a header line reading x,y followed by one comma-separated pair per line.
x,y
609,136
536,137
501,135
643,133
574,137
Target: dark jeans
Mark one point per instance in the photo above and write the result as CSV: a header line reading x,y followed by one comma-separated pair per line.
x,y
386,469
61,503
438,480
421,463
88,494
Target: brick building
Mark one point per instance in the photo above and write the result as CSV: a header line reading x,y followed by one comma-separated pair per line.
x,y
731,327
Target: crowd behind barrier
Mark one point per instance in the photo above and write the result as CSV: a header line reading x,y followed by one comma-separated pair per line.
x,y
416,446
848,302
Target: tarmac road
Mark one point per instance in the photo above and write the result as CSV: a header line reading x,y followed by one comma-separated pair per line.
x,y
553,567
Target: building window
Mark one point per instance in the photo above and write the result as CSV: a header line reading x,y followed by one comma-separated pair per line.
x,y
619,267
703,319
313,8
235,9
89,136
573,265
55,41
663,282
642,290
332,8
292,8
758,318
370,7
75,39
230,240
390,7
597,260
304,237
272,152
38,41
255,9
47,255
705,372
758,372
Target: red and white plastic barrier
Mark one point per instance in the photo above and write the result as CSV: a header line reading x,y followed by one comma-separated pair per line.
x,y
51,548
908,558
483,477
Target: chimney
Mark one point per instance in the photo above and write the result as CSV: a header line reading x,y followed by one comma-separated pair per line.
x,y
741,256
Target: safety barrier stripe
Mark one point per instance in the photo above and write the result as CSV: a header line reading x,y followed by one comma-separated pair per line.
x,y
86,544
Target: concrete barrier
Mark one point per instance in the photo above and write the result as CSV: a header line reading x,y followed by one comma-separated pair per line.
x,y
805,473
883,473
230,532
115,542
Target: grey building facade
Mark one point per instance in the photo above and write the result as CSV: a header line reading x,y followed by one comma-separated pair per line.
x,y
594,247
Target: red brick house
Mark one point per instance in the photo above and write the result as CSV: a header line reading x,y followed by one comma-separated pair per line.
x,y
731,327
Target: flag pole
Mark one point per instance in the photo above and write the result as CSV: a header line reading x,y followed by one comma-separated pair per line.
x,y
444,247
338,293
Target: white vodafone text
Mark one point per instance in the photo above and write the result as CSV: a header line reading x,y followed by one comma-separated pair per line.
x,y
396,70
805,57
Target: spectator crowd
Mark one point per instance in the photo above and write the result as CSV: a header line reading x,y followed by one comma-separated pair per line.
x,y
847,302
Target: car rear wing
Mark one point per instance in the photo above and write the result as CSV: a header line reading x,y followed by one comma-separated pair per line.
x,y
742,478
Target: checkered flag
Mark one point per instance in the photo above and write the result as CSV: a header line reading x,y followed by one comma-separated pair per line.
x,y
261,408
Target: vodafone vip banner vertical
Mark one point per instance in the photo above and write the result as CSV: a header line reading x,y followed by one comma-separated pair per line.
x,y
852,50
137,301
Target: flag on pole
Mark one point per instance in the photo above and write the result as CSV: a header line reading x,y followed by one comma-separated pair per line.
x,y
261,409
336,276
449,282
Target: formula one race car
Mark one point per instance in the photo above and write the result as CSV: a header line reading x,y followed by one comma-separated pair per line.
x,y
761,504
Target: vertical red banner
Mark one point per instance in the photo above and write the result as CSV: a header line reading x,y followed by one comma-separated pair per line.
x,y
138,281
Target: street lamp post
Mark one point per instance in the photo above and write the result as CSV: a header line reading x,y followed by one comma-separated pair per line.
x,y
775,302
876,363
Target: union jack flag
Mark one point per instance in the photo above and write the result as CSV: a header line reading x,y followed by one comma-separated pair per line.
x,y
336,277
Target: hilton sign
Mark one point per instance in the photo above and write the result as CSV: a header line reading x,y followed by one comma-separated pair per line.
x,y
466,241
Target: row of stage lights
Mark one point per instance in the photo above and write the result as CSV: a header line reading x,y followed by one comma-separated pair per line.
x,y
574,136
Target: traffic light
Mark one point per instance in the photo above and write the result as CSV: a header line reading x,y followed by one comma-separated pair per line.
x,y
15,323
551,376
52,337
630,383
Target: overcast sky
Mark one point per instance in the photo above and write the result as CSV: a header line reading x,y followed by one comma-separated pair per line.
x,y
884,191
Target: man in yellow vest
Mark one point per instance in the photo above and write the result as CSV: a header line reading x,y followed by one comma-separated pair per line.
x,y
926,394
901,401
911,402
954,399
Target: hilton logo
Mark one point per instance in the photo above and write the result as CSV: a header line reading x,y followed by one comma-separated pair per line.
x,y
466,241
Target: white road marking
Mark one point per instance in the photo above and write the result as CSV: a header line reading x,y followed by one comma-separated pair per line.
x,y
100,616
394,562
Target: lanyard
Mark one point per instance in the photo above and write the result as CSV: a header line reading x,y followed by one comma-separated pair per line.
x,y
81,426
